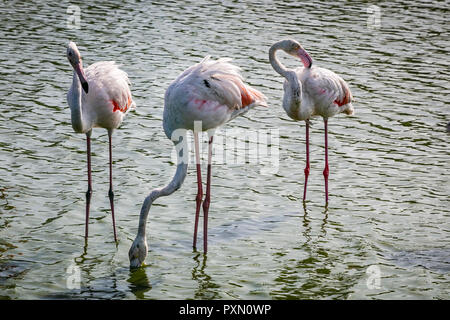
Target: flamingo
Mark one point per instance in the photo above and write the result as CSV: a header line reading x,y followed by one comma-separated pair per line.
x,y
311,91
99,97
211,92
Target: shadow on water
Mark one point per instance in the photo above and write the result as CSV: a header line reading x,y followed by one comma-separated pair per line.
x,y
10,272
436,259
4,197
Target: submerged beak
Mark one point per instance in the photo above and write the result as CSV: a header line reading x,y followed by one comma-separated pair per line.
x,y
82,77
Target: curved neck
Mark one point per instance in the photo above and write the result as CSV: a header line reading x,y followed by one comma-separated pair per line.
x,y
175,184
74,100
276,64
294,87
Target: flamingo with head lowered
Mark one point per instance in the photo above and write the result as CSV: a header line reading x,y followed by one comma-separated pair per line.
x,y
100,96
311,91
211,93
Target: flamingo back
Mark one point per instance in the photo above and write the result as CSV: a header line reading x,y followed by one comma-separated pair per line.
x,y
210,91
329,93
221,81
109,98
112,83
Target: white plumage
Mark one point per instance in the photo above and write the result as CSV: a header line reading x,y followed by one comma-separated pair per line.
x,y
100,96
211,92
311,91
327,93
108,89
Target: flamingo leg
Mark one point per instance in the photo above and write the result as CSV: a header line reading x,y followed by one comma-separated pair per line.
x,y
199,197
307,160
89,190
207,198
110,192
326,171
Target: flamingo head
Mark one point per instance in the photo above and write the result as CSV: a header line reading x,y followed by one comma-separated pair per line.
x,y
295,49
138,252
74,57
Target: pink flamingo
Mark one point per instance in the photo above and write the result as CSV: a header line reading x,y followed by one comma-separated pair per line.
x,y
311,91
99,97
213,93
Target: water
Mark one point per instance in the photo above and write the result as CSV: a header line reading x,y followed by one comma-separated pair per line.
x,y
385,233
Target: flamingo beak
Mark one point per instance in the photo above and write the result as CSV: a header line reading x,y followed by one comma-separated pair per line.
x,y
82,77
304,56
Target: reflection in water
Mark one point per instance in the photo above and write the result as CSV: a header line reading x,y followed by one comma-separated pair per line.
x,y
10,271
206,289
324,222
303,276
80,260
306,225
3,196
139,282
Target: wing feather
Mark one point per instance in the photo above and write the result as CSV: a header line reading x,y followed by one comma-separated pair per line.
x,y
106,78
221,81
327,87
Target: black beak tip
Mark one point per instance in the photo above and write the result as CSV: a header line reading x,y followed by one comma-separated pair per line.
x,y
85,87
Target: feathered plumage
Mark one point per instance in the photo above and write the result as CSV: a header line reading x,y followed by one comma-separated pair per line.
x,y
211,91
311,91
100,96
107,80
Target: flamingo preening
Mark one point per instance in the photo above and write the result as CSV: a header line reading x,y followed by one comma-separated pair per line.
x,y
311,91
99,97
211,93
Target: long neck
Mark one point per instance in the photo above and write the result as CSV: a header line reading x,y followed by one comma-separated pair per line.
x,y
74,100
175,184
294,86
289,74
276,64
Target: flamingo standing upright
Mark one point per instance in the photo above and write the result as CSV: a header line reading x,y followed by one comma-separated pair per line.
x,y
99,97
211,92
311,91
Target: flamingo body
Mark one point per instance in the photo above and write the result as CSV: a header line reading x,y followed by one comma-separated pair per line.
x,y
311,91
323,93
108,101
212,92
99,96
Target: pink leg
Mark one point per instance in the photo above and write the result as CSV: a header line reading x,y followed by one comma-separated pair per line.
x,y
89,190
307,160
199,197
207,198
326,171
111,193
